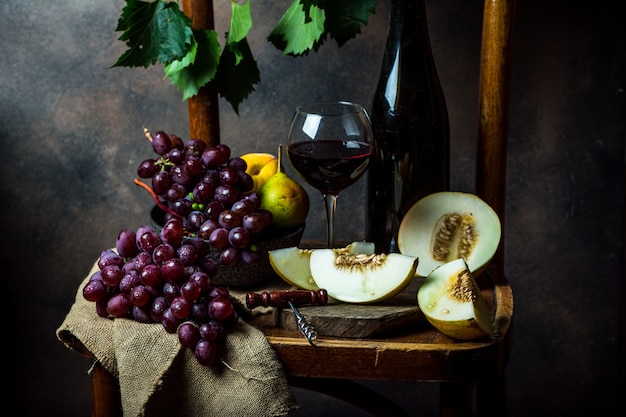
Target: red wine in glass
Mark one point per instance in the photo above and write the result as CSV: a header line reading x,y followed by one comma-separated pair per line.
x,y
330,166
329,145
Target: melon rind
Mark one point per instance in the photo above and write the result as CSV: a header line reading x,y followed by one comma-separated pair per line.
x,y
460,320
416,229
362,285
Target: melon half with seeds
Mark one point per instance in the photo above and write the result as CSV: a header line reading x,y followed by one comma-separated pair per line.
x,y
452,302
361,278
449,225
292,264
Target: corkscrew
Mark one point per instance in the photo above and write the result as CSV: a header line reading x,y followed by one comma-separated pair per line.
x,y
291,298
303,325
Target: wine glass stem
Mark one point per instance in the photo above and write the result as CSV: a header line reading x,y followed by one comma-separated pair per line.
x,y
331,204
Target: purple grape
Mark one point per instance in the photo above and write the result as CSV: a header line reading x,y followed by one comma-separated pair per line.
x,y
141,314
195,147
180,175
112,275
243,207
206,352
195,220
228,219
239,237
203,192
161,143
213,209
170,291
200,311
230,256
163,252
110,257
227,194
245,181
220,308
177,142
176,156
238,164
175,192
125,243
139,296
148,240
141,260
148,168
192,164
218,292
101,308
151,275
190,291
202,279
95,290
119,305
169,322
219,238
209,265
173,232
161,181
188,334
206,228
129,281
173,270
159,305
213,157
188,254
253,222
211,330
228,176
181,308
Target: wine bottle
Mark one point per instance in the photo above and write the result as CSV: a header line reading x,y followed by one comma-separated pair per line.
x,y
410,122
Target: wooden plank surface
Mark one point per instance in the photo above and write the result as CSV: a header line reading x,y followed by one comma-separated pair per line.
x,y
358,320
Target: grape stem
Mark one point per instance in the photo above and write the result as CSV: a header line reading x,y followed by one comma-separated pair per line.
x,y
156,199
148,134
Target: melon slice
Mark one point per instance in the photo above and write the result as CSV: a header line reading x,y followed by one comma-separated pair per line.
x,y
292,264
360,278
448,225
452,302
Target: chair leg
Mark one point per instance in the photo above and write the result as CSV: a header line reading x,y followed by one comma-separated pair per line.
x,y
105,393
456,399
491,398
352,393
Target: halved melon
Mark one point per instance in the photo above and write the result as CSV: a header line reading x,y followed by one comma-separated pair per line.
x,y
292,264
448,225
360,278
452,302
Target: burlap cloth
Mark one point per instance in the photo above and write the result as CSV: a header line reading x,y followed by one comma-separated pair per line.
x,y
158,377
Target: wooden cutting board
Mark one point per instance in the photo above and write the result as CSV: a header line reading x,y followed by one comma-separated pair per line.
x,y
358,320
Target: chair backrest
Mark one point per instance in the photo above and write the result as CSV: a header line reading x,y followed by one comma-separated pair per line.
x,y
494,91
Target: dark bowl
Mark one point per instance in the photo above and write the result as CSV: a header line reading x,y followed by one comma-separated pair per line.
x,y
243,274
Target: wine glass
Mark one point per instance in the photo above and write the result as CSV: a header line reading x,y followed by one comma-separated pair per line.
x,y
329,145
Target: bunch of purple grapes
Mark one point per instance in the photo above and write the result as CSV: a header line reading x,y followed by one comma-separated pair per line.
x,y
210,192
158,277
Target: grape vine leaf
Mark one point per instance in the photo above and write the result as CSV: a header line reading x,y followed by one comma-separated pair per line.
x,y
198,67
240,22
156,31
344,18
237,73
300,27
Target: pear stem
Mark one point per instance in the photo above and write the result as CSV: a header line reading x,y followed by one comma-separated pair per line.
x,y
280,157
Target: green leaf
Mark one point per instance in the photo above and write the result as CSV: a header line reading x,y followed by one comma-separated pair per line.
x,y
156,31
297,31
344,18
236,77
193,72
240,22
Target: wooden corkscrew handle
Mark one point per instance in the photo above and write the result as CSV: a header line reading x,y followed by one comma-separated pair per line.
x,y
281,298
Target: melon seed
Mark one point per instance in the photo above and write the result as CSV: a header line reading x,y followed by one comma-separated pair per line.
x,y
454,237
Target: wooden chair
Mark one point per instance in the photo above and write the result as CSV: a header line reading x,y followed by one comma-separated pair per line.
x,y
471,374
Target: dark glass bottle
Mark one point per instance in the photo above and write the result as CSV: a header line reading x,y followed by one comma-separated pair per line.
x,y
410,122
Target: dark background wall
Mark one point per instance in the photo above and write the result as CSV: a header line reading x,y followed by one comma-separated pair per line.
x,y
71,138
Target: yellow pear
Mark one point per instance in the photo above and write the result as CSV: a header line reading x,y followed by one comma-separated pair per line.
x,y
287,200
